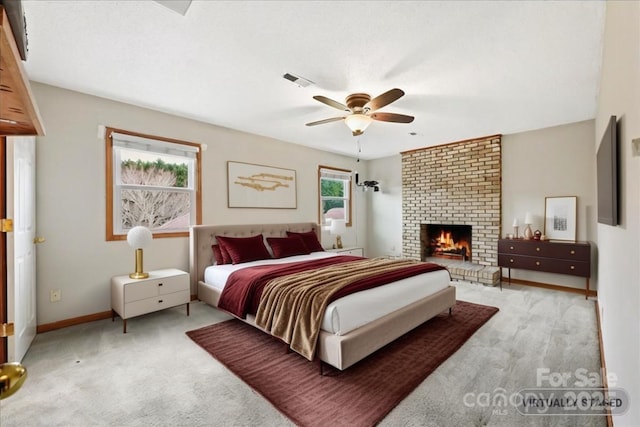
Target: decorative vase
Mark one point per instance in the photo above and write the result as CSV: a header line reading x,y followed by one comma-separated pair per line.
x,y
528,233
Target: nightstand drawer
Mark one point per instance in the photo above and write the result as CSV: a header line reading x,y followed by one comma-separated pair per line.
x,y
348,251
354,252
150,288
160,302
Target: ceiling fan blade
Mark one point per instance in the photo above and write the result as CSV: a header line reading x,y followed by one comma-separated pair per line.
x,y
321,122
331,102
392,117
385,99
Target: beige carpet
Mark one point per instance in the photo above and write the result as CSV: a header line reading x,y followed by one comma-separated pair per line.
x,y
94,375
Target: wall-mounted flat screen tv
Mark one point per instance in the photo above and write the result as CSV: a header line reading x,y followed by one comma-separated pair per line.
x,y
607,170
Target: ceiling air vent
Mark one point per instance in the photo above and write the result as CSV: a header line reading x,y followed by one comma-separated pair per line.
x,y
300,81
180,6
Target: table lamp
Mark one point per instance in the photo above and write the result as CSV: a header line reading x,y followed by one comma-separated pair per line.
x,y
139,238
337,228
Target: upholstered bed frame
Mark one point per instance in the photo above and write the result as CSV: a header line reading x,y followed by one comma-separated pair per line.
x,y
340,351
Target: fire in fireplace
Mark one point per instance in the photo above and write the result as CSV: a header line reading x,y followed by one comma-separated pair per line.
x,y
451,241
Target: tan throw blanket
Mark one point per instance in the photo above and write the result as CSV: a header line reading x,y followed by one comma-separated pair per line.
x,y
292,307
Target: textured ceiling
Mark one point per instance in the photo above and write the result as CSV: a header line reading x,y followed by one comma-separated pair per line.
x,y
469,69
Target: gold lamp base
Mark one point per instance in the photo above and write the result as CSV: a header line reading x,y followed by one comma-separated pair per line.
x,y
139,273
339,242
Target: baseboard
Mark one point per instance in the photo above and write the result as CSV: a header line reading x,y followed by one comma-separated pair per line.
x,y
605,382
79,320
592,293
72,322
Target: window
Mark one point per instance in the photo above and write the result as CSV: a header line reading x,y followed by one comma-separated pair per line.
x,y
151,181
335,194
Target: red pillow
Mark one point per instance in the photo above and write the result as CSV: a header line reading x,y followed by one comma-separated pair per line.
x,y
287,246
217,254
310,239
226,258
244,249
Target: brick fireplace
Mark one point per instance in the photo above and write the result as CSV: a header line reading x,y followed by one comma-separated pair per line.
x,y
457,183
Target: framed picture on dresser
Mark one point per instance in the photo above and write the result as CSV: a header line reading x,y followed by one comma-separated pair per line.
x,y
560,218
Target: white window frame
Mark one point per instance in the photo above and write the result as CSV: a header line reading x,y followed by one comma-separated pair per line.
x,y
189,153
330,172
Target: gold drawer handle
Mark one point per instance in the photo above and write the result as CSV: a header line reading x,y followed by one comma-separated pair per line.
x,y
573,252
537,262
573,267
537,249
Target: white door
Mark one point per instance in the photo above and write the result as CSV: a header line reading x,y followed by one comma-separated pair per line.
x,y
21,251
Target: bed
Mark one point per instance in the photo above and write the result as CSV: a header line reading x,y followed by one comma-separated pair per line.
x,y
344,338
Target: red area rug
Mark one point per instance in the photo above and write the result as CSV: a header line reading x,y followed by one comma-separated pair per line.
x,y
359,396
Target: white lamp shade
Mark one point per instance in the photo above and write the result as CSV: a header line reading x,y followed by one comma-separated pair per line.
x,y
139,237
528,218
515,222
338,226
358,122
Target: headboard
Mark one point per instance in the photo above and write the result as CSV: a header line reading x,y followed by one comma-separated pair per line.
x,y
201,237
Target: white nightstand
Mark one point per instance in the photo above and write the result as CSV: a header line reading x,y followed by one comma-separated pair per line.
x,y
348,251
162,289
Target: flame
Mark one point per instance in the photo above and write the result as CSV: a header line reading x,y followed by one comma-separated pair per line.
x,y
446,243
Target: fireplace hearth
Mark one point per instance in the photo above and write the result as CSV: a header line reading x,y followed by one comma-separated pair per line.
x,y
451,241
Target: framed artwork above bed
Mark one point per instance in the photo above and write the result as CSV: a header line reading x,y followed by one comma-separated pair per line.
x,y
258,186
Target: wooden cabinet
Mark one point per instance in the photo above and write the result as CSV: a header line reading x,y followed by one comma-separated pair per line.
x,y
162,289
572,258
18,111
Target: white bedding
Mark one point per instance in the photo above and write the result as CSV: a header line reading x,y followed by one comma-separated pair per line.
x,y
352,311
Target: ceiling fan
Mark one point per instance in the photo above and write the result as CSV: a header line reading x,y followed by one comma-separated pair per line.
x,y
362,109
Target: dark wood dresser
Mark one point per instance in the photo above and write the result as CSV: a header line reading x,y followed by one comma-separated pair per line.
x,y
550,256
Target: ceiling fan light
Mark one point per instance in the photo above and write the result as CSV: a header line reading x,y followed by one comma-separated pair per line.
x,y
358,123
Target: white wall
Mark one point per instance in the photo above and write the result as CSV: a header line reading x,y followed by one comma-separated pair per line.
x,y
556,161
385,208
77,259
619,247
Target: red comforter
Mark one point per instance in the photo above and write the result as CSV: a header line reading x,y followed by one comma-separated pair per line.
x,y
241,295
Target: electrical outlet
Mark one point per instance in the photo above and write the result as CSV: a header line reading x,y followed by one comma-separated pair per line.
x,y
55,295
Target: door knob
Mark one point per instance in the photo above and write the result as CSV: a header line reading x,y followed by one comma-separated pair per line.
x,y
37,240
